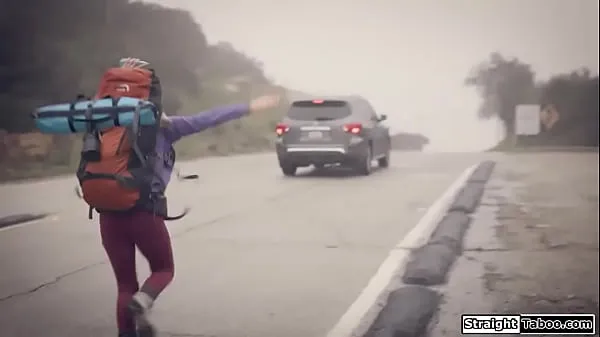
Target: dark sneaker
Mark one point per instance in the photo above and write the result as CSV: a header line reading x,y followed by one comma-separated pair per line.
x,y
140,307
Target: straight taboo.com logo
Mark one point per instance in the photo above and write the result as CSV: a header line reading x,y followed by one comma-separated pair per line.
x,y
529,324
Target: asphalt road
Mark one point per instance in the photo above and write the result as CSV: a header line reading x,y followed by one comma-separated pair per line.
x,y
259,255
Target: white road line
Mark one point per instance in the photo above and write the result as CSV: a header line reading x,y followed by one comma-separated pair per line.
x,y
361,314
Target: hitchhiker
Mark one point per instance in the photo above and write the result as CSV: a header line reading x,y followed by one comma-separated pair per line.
x,y
123,176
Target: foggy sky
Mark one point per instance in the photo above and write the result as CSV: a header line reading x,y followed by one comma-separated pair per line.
x,y
409,57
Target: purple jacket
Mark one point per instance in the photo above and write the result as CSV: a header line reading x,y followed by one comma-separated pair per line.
x,y
182,126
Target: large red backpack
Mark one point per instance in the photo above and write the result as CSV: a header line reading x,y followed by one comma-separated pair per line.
x,y
121,174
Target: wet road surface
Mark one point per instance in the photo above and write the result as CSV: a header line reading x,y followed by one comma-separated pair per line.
x,y
259,255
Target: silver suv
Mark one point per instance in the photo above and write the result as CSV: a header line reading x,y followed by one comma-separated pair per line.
x,y
343,130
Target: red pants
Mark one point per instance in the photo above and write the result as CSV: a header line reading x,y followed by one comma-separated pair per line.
x,y
121,233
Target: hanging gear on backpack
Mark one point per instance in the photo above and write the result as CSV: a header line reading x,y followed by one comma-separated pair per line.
x,y
117,167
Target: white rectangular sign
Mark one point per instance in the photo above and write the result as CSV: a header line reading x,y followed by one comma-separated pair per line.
x,y
527,119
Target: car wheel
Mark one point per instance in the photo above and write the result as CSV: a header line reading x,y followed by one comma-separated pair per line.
x,y
288,170
385,161
364,166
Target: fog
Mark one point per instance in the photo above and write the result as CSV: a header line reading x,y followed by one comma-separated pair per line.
x,y
408,57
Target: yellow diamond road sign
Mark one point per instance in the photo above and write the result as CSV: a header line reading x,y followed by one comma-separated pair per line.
x,y
549,116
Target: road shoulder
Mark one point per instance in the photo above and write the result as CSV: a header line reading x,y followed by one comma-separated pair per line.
x,y
533,243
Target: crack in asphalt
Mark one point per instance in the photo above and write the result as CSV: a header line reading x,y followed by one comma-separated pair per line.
x,y
96,264
178,235
49,283
581,248
486,250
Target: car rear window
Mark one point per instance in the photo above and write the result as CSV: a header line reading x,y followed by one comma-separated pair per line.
x,y
319,110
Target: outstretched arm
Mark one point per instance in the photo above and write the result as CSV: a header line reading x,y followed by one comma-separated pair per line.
x,y
181,126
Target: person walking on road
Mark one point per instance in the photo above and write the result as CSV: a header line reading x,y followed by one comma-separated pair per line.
x,y
122,232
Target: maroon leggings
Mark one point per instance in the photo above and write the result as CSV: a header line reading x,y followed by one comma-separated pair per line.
x,y
121,233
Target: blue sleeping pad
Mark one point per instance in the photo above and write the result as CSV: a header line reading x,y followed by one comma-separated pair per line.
x,y
105,113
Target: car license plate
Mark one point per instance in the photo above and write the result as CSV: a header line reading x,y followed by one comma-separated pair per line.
x,y
315,135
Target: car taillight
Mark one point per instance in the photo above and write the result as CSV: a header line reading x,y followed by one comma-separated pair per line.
x,y
280,129
353,128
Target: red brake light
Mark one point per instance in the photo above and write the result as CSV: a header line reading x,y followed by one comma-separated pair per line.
x,y
353,128
280,129
317,101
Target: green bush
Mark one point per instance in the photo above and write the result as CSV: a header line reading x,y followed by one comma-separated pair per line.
x,y
504,83
57,59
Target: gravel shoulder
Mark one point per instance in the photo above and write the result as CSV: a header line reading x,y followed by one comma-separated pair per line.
x,y
533,245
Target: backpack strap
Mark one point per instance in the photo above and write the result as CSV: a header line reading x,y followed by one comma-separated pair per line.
x,y
159,206
158,202
173,218
132,135
90,209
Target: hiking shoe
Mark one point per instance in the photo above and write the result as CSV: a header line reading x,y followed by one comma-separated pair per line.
x,y
140,307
